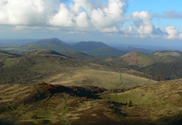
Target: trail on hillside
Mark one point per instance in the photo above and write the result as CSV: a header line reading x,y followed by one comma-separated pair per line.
x,y
120,83
163,59
65,111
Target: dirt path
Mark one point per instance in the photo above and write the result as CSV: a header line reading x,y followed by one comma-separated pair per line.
x,y
64,113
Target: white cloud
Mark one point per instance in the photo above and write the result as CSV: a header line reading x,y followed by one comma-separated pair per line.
x,y
27,27
143,22
109,30
109,16
81,20
180,35
172,32
25,12
80,4
64,18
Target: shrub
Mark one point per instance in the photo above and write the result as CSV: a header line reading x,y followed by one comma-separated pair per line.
x,y
130,104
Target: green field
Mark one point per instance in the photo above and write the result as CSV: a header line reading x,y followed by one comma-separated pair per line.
x,y
101,78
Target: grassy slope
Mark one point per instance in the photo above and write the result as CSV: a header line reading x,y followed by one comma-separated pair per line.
x,y
58,109
155,104
162,99
142,60
176,54
101,78
5,55
31,69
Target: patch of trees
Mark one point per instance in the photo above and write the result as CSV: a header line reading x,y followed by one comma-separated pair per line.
x,y
85,91
164,71
150,76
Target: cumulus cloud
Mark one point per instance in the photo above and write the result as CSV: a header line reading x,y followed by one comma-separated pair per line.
x,y
81,20
78,5
25,12
143,22
63,18
171,32
180,35
109,16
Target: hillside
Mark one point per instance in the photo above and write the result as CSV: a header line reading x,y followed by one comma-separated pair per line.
x,y
51,44
97,77
171,70
88,46
52,41
31,69
6,55
142,60
134,60
43,103
41,51
56,104
105,52
161,102
174,53
134,49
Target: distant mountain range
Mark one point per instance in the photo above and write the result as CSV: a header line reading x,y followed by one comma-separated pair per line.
x,y
92,48
96,49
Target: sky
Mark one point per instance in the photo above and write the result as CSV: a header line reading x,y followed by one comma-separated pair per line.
x,y
145,22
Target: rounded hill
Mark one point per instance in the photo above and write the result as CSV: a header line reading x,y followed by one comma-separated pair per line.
x,y
142,60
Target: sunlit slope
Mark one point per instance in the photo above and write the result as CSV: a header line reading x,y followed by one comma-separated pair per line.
x,y
31,69
142,60
174,53
101,78
163,99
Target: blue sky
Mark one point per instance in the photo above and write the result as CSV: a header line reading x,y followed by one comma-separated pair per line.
x,y
147,22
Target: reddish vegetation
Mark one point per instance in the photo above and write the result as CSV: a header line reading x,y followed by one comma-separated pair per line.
x,y
103,89
42,83
55,88
59,88
97,89
135,87
132,60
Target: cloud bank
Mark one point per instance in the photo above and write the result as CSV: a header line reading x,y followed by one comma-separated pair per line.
x,y
85,15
